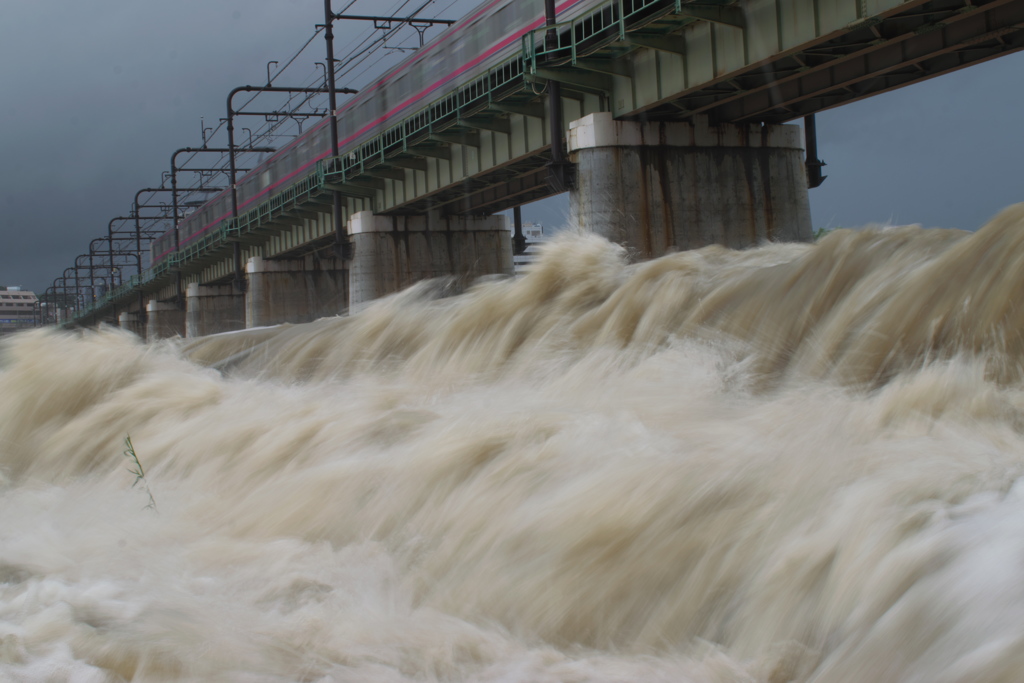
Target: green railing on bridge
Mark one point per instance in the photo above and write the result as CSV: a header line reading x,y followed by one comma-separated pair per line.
x,y
291,198
583,34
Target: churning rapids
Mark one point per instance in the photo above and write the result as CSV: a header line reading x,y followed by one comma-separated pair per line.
x,y
790,463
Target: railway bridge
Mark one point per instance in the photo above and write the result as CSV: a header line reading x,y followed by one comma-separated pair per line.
x,y
670,120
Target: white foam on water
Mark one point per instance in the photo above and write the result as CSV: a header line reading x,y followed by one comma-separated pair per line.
x,y
795,462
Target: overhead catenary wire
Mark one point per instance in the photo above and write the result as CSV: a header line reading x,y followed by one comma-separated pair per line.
x,y
359,54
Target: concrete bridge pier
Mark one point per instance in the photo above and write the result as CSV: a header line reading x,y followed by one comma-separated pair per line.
x,y
211,309
133,322
294,290
392,252
659,187
163,320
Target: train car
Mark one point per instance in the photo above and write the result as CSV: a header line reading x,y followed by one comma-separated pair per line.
x,y
487,36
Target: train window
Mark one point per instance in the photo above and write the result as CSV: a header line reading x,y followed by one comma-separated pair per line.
x,y
318,142
416,75
439,57
501,21
530,10
521,10
362,114
378,104
462,50
397,88
388,96
345,126
484,31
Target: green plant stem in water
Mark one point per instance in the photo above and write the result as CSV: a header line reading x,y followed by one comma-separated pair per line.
x,y
140,474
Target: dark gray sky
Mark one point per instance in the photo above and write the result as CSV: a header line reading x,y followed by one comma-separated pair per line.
x,y
97,95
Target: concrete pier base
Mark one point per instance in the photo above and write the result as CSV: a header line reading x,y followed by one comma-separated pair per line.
x,y
212,309
133,322
294,291
393,252
659,187
164,320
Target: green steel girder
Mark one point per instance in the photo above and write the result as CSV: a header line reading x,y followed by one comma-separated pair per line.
x,y
301,214
716,14
253,239
664,43
482,194
872,57
351,190
574,78
531,109
432,151
367,183
470,138
384,172
510,192
788,38
492,123
410,162
610,67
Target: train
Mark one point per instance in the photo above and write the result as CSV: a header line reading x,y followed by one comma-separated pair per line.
x,y
487,36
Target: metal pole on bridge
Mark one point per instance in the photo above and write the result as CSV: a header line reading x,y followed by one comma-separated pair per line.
x,y
342,245
230,151
239,275
559,176
136,206
67,293
518,240
813,163
138,226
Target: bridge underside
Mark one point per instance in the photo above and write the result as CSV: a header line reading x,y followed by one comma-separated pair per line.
x,y
485,148
869,55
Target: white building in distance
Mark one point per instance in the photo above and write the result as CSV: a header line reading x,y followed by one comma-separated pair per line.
x,y
18,309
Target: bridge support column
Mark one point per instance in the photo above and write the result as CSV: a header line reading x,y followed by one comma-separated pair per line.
x,y
132,322
657,187
211,309
392,252
164,320
294,291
